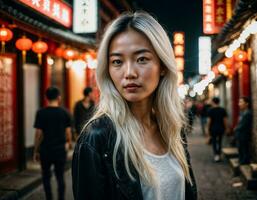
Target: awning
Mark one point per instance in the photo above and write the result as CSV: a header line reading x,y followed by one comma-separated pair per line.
x,y
244,10
36,27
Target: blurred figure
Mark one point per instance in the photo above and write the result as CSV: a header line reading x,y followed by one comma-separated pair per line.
x,y
83,110
52,140
216,126
191,113
243,130
204,115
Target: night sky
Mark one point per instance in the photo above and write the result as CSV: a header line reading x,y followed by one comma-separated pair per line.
x,y
179,15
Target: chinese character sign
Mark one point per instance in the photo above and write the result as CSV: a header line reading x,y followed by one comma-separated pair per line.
x,y
179,52
55,9
204,54
7,109
214,15
85,16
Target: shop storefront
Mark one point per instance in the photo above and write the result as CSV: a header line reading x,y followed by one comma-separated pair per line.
x,y
235,58
35,56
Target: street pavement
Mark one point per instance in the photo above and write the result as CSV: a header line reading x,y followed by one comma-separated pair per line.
x,y
214,180
38,193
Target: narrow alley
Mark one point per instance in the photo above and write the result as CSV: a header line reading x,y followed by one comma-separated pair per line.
x,y
214,180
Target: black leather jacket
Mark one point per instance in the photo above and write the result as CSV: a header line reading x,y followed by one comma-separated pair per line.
x,y
92,167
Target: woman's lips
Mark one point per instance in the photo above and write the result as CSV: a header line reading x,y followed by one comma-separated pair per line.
x,y
131,87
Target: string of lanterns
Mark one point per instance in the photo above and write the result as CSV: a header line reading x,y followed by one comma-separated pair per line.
x,y
40,47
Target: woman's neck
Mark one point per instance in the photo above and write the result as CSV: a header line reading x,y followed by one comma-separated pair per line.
x,y
142,112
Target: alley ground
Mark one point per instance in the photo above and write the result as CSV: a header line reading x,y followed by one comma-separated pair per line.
x,y
214,180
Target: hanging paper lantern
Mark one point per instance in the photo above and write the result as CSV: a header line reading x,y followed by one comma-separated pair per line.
x,y
39,47
240,55
59,51
85,56
69,54
5,35
24,44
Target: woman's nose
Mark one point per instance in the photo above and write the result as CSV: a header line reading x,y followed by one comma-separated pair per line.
x,y
131,71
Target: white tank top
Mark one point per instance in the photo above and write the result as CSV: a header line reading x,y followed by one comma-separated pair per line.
x,y
169,176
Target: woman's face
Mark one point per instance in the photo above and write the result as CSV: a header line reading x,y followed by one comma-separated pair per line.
x,y
134,67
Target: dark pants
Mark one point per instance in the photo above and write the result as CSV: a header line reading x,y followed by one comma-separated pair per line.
x,y
216,143
243,150
59,165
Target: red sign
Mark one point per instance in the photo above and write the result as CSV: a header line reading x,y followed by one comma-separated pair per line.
x,y
55,9
8,126
179,52
214,15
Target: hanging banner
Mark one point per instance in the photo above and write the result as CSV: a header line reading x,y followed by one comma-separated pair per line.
x,y
85,16
8,113
215,15
179,52
55,9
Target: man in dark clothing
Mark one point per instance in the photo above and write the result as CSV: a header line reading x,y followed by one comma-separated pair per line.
x,y
243,130
83,110
204,115
52,140
217,124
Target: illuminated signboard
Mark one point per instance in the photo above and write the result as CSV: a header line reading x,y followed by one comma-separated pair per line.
x,y
85,16
204,44
179,52
55,9
214,15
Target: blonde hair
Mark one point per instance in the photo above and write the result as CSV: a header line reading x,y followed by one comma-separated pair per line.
x,y
166,103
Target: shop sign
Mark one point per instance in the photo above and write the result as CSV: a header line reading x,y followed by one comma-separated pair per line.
x,y
55,9
204,45
214,15
85,16
179,52
7,112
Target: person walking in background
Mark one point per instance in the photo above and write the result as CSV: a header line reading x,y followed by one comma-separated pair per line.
x,y
216,126
52,140
243,130
204,115
83,111
134,146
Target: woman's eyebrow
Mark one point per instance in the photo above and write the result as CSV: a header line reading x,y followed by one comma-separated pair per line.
x,y
142,51
115,54
136,52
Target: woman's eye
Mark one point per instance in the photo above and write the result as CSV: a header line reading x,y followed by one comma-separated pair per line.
x,y
116,62
142,60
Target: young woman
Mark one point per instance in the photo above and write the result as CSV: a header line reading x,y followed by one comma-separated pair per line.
x,y
133,148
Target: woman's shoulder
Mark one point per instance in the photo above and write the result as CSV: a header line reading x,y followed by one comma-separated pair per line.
x,y
97,133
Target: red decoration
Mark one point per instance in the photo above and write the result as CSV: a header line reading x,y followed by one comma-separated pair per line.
x,y
5,35
69,54
39,47
24,44
59,52
240,56
57,10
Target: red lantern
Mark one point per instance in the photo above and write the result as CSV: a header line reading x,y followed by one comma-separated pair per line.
x,y
240,55
69,54
39,47
85,56
24,44
59,52
5,35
